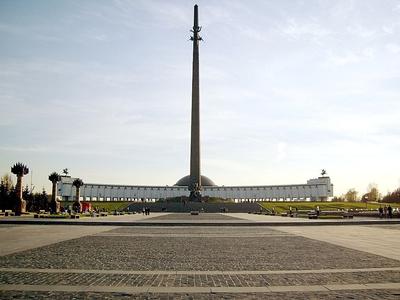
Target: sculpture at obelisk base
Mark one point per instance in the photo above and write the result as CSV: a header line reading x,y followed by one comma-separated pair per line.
x,y
77,206
195,180
20,170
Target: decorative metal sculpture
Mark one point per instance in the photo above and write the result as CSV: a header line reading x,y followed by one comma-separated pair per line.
x,y
77,206
54,204
20,170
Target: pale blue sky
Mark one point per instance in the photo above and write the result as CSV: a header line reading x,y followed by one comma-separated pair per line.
x,y
287,88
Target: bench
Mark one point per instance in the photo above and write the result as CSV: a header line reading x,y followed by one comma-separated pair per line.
x,y
347,215
41,214
8,212
312,215
194,212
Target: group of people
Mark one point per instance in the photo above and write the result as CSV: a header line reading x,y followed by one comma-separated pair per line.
x,y
385,212
146,211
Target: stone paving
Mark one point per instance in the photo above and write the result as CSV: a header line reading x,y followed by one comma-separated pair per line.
x,y
196,263
194,253
197,280
189,217
356,294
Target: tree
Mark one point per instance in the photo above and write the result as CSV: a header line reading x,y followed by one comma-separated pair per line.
x,y
54,204
29,197
338,199
20,170
6,179
77,206
351,195
43,200
392,196
373,192
6,192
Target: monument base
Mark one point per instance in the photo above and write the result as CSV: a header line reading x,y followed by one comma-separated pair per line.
x,y
20,208
55,207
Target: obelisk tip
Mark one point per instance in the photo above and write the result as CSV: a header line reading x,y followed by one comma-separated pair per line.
x,y
196,15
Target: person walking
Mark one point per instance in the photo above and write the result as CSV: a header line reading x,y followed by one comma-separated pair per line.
x,y
390,212
380,212
318,211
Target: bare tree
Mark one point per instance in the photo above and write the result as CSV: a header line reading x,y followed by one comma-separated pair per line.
x,y
351,195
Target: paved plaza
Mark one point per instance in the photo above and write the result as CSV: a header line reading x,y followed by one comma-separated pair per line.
x,y
199,262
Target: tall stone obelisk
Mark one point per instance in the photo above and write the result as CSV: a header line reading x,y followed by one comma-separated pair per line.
x,y
195,177
195,181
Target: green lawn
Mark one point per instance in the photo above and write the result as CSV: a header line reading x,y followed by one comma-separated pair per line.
x,y
284,206
111,206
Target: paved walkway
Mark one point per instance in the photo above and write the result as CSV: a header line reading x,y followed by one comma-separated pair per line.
x,y
203,219
377,239
23,237
194,262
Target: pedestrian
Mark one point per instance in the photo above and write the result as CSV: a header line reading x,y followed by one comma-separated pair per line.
x,y
143,211
385,211
390,212
380,212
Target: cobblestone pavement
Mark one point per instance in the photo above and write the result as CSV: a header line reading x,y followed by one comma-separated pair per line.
x,y
194,253
189,217
366,295
198,230
184,262
196,280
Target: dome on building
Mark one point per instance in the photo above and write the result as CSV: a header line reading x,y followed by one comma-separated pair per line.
x,y
185,181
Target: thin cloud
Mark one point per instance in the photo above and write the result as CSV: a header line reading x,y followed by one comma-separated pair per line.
x,y
310,30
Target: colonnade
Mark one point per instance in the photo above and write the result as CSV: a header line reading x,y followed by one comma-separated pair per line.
x,y
315,189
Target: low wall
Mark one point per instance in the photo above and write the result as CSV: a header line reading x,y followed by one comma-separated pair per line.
x,y
190,206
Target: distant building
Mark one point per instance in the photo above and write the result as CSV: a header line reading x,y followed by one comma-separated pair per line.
x,y
318,189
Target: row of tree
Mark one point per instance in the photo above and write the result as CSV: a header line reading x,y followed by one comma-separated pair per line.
x,y
372,195
392,197
9,196
15,198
